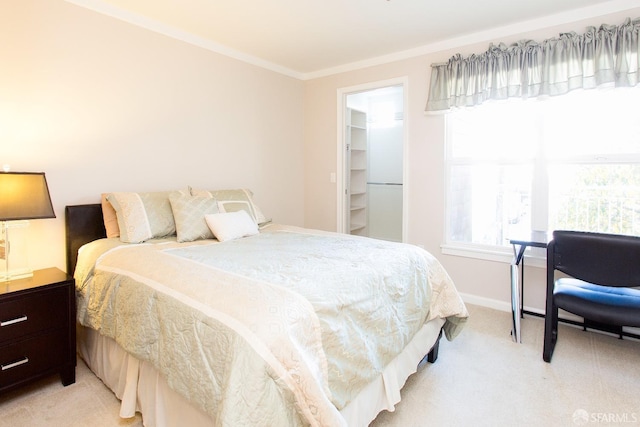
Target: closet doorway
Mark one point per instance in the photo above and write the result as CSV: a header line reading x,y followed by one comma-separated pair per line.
x,y
372,193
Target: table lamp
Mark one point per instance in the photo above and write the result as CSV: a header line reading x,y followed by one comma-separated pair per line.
x,y
23,196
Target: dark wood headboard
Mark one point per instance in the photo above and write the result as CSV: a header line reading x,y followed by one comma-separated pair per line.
x,y
83,224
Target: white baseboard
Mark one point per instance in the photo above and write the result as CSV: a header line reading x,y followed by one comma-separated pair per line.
x,y
486,302
506,306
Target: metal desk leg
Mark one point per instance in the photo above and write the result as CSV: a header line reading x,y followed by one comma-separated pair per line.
x,y
516,300
521,288
515,304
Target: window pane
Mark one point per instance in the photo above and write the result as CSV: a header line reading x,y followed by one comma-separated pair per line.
x,y
592,123
567,162
599,198
493,131
489,203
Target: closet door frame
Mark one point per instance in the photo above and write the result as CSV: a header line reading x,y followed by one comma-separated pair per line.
x,y
342,217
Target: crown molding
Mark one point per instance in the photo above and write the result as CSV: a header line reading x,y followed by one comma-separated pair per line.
x,y
574,15
175,33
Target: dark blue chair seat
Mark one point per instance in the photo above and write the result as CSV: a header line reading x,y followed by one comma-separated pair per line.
x,y
603,271
604,304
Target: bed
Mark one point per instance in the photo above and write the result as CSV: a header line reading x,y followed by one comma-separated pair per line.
x,y
237,332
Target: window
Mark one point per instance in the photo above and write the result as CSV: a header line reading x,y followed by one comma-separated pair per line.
x,y
570,162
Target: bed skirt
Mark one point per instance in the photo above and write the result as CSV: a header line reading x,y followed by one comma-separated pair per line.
x,y
141,388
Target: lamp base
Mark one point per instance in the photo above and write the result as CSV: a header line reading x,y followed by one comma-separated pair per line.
x,y
15,275
14,259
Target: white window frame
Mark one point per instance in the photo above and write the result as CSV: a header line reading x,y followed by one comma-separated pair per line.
x,y
539,203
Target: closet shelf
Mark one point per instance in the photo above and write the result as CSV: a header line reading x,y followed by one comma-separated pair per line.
x,y
357,135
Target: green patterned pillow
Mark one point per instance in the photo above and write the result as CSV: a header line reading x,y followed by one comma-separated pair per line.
x,y
142,216
233,201
189,212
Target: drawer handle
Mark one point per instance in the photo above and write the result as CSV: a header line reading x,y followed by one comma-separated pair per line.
x,y
12,321
14,364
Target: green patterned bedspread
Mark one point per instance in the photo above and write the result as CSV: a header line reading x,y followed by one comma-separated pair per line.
x,y
282,328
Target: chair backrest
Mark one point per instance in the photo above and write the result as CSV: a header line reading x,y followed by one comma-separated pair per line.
x,y
605,259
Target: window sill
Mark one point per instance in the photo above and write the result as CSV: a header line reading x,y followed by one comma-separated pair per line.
x,y
534,258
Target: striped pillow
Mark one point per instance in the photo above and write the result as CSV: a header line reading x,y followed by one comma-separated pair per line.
x,y
233,201
142,216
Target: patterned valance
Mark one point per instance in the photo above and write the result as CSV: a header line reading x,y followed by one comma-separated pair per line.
x,y
609,55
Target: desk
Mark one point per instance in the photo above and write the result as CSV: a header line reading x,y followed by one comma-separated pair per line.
x,y
537,239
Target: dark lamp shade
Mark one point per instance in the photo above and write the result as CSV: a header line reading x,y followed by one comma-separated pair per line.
x,y
24,195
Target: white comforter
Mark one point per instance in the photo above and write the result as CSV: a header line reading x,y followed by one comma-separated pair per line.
x,y
282,328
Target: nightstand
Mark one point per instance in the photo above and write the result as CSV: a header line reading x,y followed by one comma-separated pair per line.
x,y
37,328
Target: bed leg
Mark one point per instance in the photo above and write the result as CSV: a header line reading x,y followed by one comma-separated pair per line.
x,y
432,356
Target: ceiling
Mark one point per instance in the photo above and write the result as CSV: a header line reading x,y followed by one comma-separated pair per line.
x,y
311,37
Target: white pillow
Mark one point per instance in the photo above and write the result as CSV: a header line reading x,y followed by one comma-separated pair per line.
x,y
231,225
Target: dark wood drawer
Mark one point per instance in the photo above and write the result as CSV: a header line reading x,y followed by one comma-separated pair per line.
x,y
28,314
23,360
37,328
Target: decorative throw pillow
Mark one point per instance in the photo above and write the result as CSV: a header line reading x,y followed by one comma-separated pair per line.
x,y
142,216
231,225
188,213
233,201
110,218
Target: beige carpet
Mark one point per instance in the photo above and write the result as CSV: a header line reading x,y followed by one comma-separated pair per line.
x,y
480,379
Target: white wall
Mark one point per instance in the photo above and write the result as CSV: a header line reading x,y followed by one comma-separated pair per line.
x,y
482,281
101,105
